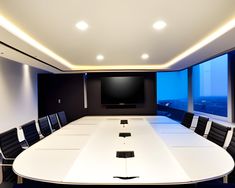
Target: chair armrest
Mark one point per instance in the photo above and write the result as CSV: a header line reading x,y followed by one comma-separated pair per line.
x,y
7,162
168,115
192,128
8,159
8,165
24,144
41,136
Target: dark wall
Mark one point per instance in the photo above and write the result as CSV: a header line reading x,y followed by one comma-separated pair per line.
x,y
68,88
94,96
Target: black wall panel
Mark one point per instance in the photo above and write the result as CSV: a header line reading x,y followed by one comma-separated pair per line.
x,y
94,96
68,88
57,92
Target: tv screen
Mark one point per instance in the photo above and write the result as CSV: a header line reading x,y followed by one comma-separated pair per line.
x,y
122,90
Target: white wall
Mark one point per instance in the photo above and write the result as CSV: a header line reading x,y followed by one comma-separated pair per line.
x,y
18,94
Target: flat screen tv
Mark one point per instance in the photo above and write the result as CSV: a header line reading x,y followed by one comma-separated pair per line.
x,y
122,90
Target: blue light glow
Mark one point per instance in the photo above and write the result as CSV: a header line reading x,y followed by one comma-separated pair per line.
x,y
210,87
172,89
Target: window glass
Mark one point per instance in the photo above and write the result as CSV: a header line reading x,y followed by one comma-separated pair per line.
x,y
172,89
210,86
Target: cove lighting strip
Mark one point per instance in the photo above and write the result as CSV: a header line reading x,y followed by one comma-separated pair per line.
x,y
13,29
10,27
218,33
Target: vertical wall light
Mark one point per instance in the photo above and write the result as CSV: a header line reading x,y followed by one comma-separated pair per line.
x,y
85,89
26,78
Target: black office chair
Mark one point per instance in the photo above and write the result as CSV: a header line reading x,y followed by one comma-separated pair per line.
x,y
216,184
62,118
187,120
201,125
11,148
54,122
231,151
218,133
44,126
30,133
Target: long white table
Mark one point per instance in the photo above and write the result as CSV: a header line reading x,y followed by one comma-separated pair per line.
x,y
84,152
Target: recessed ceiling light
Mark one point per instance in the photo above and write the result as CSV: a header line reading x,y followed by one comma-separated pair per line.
x,y
82,25
159,25
145,56
100,57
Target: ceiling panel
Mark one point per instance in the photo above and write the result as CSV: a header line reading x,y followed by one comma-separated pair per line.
x,y
121,30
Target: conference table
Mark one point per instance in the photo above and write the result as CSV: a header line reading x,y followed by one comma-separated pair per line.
x,y
151,150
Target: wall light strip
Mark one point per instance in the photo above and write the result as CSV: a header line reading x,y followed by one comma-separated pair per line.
x,y
10,27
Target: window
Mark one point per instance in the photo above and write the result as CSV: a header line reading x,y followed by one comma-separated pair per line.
x,y
210,86
172,89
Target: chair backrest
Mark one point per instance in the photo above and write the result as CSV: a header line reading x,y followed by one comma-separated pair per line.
x,y
187,120
10,144
44,126
54,122
30,132
231,151
231,146
62,118
218,133
201,125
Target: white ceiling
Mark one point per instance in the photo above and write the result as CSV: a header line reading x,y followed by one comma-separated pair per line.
x,y
121,30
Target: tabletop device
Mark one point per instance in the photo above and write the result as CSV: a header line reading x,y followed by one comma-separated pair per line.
x,y
125,154
124,121
124,134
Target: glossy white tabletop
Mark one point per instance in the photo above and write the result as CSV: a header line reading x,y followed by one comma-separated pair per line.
x,y
84,152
